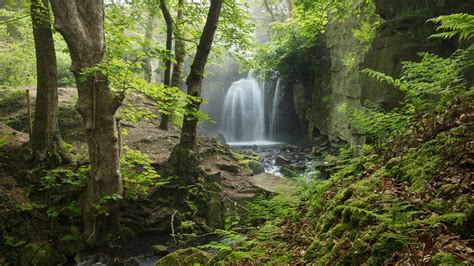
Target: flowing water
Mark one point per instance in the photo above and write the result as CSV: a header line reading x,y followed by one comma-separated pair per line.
x,y
275,114
243,113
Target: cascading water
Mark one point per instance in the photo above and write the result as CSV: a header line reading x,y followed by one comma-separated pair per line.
x,y
275,115
243,112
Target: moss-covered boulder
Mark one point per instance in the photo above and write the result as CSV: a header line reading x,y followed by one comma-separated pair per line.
x,y
185,257
38,254
255,166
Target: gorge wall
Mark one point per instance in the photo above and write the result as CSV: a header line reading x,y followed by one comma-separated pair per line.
x,y
323,98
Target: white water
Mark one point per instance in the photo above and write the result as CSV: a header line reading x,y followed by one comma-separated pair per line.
x,y
243,117
274,115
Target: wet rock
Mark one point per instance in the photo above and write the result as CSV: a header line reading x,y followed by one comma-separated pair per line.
x,y
280,160
256,167
271,183
160,249
318,150
189,256
221,138
231,168
92,259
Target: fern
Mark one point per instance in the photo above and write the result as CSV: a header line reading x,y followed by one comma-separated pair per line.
x,y
454,24
381,77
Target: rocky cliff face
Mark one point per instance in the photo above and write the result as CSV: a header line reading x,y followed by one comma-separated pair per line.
x,y
322,102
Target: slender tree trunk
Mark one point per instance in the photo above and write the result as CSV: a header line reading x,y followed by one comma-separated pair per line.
x,y
165,118
147,65
81,22
179,50
45,141
185,157
290,8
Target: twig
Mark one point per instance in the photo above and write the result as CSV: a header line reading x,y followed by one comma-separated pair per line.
x,y
13,19
172,227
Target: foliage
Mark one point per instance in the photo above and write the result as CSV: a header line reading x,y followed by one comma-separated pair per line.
x,y
454,24
17,47
55,178
430,85
137,174
297,49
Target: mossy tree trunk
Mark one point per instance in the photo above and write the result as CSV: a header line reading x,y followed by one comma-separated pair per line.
x,y
185,155
81,22
45,142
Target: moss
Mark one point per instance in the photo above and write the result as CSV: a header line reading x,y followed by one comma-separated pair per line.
x,y
288,171
386,244
443,258
10,100
419,165
313,250
38,254
436,205
185,257
71,247
255,166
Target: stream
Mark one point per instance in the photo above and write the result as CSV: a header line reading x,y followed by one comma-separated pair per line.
x,y
275,155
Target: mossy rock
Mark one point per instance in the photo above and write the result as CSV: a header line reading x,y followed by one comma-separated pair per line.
x,y
38,254
443,258
255,166
71,247
185,257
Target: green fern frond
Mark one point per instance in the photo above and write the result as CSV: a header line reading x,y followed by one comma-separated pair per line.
x,y
454,24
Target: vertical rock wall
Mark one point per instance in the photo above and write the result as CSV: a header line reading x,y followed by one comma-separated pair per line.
x,y
403,34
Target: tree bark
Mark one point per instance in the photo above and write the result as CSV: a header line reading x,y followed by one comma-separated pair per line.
x,y
45,142
194,80
184,158
179,50
165,118
81,22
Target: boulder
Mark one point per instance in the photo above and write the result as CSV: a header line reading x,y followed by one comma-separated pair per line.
x,y
272,183
160,249
38,254
184,257
231,168
255,166
280,160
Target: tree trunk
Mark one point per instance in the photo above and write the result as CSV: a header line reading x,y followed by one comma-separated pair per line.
x,y
165,118
184,156
147,64
45,141
179,50
290,8
81,22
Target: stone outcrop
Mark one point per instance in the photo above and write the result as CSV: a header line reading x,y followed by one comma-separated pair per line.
x,y
323,100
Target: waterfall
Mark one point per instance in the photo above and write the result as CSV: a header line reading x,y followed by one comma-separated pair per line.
x,y
243,112
275,115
